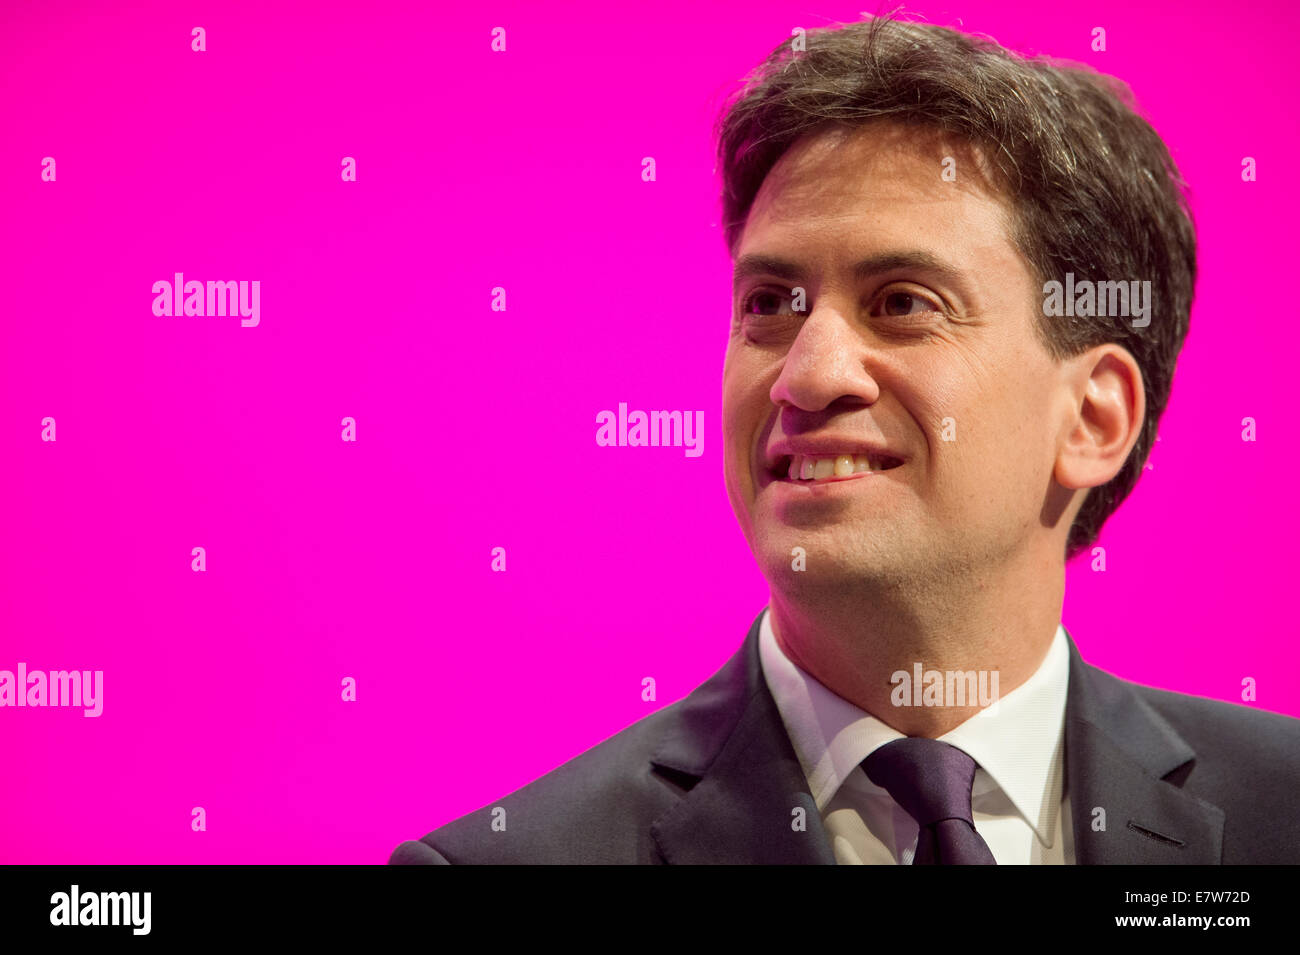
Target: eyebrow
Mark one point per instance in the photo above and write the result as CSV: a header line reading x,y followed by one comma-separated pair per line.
x,y
903,260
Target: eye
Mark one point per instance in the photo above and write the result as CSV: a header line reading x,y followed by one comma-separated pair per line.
x,y
766,298
899,304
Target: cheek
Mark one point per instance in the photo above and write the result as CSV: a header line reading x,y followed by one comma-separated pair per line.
x,y
735,431
984,394
943,404
962,413
1002,452
745,403
738,425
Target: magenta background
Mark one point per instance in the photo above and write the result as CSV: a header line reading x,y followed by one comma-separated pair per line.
x,y
476,428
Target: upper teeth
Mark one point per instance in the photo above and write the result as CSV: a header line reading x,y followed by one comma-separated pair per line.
x,y
810,467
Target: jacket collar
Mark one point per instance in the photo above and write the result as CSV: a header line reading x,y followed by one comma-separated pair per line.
x,y
1124,766
746,799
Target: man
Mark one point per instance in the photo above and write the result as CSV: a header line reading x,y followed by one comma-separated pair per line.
x,y
916,441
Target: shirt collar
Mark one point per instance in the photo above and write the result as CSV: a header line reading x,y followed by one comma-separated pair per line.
x,y
1018,742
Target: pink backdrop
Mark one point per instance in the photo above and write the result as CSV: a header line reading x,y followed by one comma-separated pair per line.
x,y
475,427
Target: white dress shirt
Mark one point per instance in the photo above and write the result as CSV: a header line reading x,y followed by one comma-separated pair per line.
x,y
1018,801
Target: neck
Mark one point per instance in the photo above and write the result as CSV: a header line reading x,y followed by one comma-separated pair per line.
x,y
855,639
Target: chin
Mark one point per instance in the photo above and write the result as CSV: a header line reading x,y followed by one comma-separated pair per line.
x,y
825,554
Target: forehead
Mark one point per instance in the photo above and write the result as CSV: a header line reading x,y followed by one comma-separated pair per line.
x,y
882,184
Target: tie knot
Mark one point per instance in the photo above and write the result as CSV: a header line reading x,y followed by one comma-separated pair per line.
x,y
930,779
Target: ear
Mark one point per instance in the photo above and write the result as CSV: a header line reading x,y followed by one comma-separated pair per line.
x,y
1108,409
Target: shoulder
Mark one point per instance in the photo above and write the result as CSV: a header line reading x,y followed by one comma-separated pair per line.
x,y
1224,772
1247,762
600,806
593,809
1228,731
1222,737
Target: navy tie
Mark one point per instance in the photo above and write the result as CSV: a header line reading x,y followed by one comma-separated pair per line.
x,y
932,781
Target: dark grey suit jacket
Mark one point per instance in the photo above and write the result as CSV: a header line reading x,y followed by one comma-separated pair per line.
x,y
713,778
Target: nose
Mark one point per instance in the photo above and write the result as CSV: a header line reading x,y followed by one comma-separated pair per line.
x,y
827,362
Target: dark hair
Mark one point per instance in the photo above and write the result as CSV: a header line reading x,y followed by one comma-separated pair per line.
x,y
1094,189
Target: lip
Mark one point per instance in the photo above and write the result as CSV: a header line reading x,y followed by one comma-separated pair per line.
x,y
829,485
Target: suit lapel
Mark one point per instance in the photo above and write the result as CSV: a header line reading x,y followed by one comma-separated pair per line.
x,y
1122,757
747,800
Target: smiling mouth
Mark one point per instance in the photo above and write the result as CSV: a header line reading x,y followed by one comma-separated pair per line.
x,y
814,469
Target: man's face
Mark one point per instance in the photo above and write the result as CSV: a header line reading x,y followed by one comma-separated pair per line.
x,y
915,347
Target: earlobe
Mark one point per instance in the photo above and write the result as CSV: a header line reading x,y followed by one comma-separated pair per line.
x,y
1110,409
